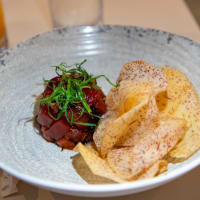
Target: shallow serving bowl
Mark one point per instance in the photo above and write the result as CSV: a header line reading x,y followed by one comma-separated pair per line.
x,y
23,153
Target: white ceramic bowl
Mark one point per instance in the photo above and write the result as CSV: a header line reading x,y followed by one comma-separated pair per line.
x,y
25,154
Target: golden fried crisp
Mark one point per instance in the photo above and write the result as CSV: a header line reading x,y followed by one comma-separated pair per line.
x,y
128,162
188,109
177,84
97,165
152,118
142,71
110,130
181,100
157,168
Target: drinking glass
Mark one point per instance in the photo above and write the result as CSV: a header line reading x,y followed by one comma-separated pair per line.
x,y
75,12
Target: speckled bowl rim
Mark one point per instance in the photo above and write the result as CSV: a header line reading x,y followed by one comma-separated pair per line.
x,y
95,188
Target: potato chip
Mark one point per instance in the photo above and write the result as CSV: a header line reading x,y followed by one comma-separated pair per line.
x,y
153,115
100,131
110,130
178,83
97,165
139,71
181,100
188,109
90,146
121,100
128,162
86,174
157,168
142,71
119,96
136,134
146,124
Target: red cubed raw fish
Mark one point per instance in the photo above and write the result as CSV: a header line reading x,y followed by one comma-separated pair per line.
x,y
100,106
47,92
58,130
44,118
65,143
75,135
93,95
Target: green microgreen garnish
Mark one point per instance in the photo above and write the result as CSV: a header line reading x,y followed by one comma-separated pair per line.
x,y
69,91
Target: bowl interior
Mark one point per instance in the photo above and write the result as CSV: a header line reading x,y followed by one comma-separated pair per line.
x,y
106,49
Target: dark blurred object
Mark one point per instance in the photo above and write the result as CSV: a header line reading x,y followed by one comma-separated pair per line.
x,y
3,38
194,6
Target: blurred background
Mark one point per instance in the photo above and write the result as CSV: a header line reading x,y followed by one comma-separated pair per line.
x,y
26,18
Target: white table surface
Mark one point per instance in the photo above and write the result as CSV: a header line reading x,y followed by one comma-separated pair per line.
x,y
26,18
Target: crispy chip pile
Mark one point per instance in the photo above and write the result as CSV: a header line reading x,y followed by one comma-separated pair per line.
x,y
153,118
131,111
